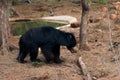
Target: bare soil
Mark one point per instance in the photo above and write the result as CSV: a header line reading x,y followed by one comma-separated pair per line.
x,y
100,61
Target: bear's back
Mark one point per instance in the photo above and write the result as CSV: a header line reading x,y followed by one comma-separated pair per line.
x,y
41,34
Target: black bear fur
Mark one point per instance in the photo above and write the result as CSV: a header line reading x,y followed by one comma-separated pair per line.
x,y
48,39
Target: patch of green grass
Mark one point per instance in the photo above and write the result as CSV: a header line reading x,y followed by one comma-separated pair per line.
x,y
12,12
42,14
42,1
38,64
18,28
99,1
102,1
16,2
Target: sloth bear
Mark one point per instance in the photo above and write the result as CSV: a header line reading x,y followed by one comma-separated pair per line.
x,y
48,39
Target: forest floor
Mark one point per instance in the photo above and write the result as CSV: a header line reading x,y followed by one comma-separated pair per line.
x,y
100,60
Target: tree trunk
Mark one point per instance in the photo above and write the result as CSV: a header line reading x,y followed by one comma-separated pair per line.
x,y
4,25
83,25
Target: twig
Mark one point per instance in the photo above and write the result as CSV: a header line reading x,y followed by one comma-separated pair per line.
x,y
86,73
59,75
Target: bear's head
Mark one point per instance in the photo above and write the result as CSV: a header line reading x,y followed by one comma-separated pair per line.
x,y
71,41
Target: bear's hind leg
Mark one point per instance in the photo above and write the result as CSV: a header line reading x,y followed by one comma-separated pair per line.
x,y
22,54
34,54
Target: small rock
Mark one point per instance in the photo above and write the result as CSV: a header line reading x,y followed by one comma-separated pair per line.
x,y
75,24
104,9
113,16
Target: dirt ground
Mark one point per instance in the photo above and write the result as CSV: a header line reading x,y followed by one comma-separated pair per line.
x,y
100,60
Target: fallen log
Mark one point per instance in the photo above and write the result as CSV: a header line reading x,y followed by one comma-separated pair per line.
x,y
23,19
86,74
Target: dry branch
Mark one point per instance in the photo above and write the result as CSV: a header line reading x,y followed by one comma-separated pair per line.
x,y
86,74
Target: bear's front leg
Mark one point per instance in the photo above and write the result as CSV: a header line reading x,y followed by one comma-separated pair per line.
x,y
47,52
56,52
